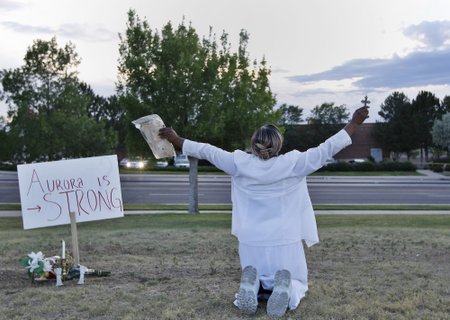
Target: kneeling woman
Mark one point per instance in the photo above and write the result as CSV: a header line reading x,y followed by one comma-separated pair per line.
x,y
272,211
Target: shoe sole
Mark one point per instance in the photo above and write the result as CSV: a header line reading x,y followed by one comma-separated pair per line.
x,y
279,299
247,298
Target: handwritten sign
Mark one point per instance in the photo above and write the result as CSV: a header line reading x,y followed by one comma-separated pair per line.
x,y
90,187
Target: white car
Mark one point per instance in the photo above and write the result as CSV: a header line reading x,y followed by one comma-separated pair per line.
x,y
356,161
134,163
161,164
181,161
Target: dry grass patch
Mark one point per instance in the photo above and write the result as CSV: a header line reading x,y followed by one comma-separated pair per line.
x,y
187,267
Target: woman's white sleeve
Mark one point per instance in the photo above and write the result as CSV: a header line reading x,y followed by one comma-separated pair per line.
x,y
222,159
313,159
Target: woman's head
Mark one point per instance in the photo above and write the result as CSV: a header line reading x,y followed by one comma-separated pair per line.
x,y
266,142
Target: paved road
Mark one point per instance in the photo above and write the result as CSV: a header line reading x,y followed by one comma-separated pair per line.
x,y
323,190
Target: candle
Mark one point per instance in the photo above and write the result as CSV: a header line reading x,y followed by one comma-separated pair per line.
x,y
63,250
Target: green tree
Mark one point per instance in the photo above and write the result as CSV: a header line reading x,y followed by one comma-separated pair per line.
x,y
396,133
445,105
49,108
426,109
108,111
6,145
202,89
441,132
290,114
324,121
328,113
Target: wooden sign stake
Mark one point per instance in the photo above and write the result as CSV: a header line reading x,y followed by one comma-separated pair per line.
x,y
73,227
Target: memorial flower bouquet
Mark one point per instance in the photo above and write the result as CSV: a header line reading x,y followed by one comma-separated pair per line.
x,y
39,267
42,269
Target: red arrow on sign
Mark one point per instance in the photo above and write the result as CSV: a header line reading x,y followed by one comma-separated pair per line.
x,y
38,208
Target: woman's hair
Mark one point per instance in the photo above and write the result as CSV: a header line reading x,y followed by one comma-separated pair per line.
x,y
266,142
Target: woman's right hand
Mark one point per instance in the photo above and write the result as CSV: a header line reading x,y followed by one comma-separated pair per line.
x,y
171,136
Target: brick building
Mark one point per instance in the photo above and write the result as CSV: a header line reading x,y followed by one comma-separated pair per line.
x,y
302,137
363,143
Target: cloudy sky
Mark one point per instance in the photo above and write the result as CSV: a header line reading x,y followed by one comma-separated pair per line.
x,y
319,51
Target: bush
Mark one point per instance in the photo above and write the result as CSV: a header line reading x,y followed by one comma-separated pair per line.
x,y
8,166
396,166
363,166
200,169
337,166
436,167
369,166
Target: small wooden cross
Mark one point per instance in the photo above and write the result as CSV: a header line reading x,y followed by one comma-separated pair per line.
x,y
365,101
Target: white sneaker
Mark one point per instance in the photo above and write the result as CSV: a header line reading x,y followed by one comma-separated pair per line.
x,y
279,299
247,298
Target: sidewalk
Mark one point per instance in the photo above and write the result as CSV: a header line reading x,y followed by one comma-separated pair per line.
x,y
432,174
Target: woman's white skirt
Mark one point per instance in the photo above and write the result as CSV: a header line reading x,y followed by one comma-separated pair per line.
x,y
269,259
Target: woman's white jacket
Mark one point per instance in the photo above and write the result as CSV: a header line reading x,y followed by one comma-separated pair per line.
x,y
271,203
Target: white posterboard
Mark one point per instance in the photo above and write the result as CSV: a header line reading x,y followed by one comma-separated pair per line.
x,y
90,187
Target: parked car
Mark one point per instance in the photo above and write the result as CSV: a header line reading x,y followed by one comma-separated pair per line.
x,y
161,164
356,161
137,163
181,161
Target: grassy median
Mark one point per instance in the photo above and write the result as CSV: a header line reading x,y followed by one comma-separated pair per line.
x,y
178,266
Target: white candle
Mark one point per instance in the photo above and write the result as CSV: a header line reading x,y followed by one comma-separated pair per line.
x,y
63,250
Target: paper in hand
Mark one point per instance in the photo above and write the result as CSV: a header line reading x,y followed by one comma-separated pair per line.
x,y
149,127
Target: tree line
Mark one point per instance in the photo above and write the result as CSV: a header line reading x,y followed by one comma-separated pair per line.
x,y
199,86
417,124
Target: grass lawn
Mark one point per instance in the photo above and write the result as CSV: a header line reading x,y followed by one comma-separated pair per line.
x,y
178,266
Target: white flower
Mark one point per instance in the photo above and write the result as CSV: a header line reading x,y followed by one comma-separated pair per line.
x,y
35,258
48,264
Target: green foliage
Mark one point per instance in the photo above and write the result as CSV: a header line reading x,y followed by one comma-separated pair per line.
x,y
6,145
426,109
303,137
396,134
200,88
290,114
328,113
25,261
51,110
408,126
396,166
436,167
369,166
441,132
445,105
38,271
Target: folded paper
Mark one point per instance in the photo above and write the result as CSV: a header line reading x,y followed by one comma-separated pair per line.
x,y
149,127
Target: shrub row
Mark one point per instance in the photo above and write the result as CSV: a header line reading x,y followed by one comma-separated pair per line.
x,y
174,169
8,167
332,167
439,167
369,166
